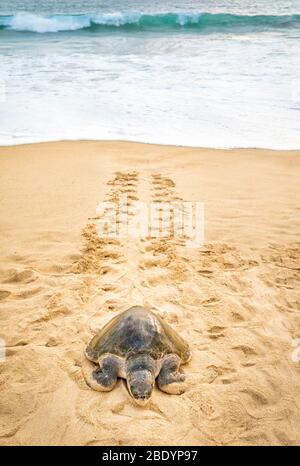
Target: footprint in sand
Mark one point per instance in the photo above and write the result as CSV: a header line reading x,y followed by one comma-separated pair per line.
x,y
28,293
4,294
16,276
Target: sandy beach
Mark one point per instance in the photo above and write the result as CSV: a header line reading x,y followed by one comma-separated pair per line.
x,y
235,299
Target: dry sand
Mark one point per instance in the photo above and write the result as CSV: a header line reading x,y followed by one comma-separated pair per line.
x,y
236,299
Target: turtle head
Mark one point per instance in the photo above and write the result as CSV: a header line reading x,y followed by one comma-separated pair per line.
x,y
140,378
140,385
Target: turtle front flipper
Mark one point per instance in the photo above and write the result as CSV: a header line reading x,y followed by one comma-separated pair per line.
x,y
105,377
170,380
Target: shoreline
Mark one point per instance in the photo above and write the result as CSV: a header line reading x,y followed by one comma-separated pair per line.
x,y
124,141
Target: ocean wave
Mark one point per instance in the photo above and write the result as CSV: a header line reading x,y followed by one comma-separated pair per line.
x,y
28,22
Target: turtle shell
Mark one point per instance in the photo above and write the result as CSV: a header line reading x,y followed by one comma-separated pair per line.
x,y
135,331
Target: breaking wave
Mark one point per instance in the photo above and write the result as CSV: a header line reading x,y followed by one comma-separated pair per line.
x,y
206,22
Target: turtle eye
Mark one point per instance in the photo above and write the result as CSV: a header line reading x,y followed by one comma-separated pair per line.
x,y
135,392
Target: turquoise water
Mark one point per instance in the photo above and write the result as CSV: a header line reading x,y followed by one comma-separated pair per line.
x,y
156,22
199,73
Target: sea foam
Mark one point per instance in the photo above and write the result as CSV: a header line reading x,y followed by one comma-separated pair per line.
x,y
34,23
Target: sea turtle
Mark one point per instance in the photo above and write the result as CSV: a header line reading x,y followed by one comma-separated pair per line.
x,y
137,345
